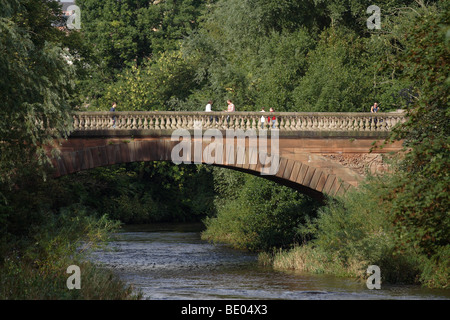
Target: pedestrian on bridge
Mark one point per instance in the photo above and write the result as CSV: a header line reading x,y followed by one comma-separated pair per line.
x,y
273,119
231,108
113,108
263,119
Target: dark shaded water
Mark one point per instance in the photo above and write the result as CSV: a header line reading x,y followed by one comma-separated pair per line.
x,y
173,263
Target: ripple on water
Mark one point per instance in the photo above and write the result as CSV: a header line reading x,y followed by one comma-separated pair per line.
x,y
179,265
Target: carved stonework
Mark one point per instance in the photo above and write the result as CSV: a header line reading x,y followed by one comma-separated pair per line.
x,y
285,121
360,163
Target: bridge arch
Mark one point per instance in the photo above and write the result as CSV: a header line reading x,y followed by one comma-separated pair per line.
x,y
310,180
316,155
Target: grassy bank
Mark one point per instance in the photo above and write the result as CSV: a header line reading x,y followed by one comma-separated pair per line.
x,y
42,234
20,280
351,233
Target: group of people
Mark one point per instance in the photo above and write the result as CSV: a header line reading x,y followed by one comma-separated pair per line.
x,y
232,108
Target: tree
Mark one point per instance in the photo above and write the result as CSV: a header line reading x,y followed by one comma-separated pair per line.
x,y
421,195
35,83
337,77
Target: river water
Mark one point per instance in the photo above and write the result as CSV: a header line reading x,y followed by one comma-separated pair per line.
x,y
171,262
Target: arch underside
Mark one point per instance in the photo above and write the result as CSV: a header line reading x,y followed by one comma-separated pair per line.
x,y
310,180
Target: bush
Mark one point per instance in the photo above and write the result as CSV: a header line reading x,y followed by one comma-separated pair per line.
x,y
254,213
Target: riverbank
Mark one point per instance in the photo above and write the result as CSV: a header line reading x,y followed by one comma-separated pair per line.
x,y
167,263
342,238
20,280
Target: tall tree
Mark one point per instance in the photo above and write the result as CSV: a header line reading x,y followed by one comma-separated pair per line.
x,y
421,196
35,83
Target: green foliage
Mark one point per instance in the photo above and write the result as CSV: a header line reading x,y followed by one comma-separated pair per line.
x,y
36,81
143,192
421,192
39,270
126,32
351,233
338,78
127,36
42,234
254,213
155,85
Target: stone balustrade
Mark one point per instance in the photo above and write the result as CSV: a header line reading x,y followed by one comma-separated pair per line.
x,y
285,121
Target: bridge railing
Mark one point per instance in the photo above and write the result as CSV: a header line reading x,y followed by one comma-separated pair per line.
x,y
284,121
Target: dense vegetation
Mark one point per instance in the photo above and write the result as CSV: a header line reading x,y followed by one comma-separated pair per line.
x,y
308,55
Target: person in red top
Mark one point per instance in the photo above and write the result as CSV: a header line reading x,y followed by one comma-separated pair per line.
x,y
273,119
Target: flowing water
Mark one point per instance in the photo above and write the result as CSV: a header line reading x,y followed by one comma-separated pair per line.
x,y
171,262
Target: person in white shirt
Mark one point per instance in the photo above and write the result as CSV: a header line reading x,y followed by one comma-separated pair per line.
x,y
208,106
263,119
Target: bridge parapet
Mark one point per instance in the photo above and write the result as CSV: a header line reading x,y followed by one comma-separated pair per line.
x,y
285,121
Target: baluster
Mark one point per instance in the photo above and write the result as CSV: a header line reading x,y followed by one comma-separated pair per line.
x,y
352,124
152,122
93,122
242,124
321,124
297,123
145,120
360,124
314,123
338,123
327,124
367,124
102,122
208,121
236,123
372,124
333,124
388,123
87,123
288,123
304,120
224,122
254,123
184,121
190,123
109,121
383,124
76,122
173,122
283,123
248,125
179,122
344,125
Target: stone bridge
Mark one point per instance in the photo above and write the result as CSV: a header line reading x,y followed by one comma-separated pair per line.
x,y
315,153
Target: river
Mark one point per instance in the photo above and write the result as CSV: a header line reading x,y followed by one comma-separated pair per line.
x,y
171,262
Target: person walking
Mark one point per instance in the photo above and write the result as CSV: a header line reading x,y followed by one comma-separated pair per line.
x,y
263,119
208,108
113,109
273,119
231,108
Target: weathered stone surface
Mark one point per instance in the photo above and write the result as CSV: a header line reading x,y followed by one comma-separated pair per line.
x,y
317,153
